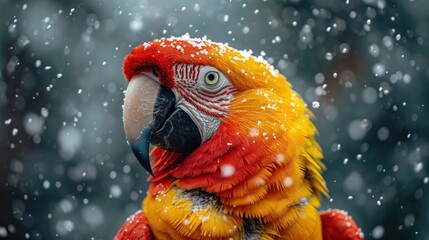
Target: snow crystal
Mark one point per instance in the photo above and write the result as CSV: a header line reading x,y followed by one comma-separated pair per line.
x,y
64,227
409,220
227,170
38,63
315,104
136,25
379,69
70,141
329,56
33,124
14,132
8,121
115,191
66,205
280,158
3,232
246,30
378,232
306,35
46,184
186,221
254,132
374,50
418,167
406,78
383,134
44,112
388,42
353,183
93,215
357,129
288,181
369,95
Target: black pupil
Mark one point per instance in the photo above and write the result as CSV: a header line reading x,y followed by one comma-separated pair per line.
x,y
211,77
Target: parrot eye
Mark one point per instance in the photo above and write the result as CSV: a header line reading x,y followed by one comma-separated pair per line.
x,y
211,78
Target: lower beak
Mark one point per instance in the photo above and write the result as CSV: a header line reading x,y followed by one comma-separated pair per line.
x,y
150,116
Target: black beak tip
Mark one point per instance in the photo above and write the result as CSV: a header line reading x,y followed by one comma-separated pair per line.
x,y
142,155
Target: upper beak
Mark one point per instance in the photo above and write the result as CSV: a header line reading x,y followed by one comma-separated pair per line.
x,y
150,117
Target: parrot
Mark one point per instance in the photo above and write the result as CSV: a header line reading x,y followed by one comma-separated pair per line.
x,y
229,147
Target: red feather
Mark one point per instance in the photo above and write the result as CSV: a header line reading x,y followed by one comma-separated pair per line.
x,y
338,225
135,228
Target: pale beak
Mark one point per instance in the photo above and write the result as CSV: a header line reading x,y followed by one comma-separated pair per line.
x,y
150,117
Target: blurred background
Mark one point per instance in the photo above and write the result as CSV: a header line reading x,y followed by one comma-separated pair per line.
x,y
66,171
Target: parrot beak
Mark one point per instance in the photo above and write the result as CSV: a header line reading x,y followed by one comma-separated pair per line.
x,y
150,117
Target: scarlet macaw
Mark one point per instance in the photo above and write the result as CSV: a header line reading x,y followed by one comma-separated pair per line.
x,y
234,152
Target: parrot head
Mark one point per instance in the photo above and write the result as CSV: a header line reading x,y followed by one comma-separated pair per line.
x,y
213,112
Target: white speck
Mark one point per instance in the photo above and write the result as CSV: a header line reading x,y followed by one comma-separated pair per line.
x,y
374,50
406,78
79,91
64,227
357,129
48,67
7,122
426,180
136,25
38,63
186,221
379,69
59,75
378,202
33,124
315,104
226,18
44,112
105,104
369,95
383,134
183,9
70,141
260,181
14,132
359,157
3,232
254,132
104,63
288,181
280,157
46,184
346,160
329,56
378,232
227,170
93,215
353,183
24,7
418,167
246,30
115,191
350,197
